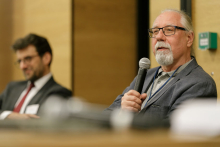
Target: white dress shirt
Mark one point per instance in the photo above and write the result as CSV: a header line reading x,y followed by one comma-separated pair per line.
x,y
37,86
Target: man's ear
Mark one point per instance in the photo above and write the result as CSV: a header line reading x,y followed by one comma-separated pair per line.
x,y
46,58
190,38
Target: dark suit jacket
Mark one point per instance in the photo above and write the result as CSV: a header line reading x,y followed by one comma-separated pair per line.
x,y
14,89
191,82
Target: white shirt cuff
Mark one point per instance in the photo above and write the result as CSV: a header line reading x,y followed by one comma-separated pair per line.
x,y
4,114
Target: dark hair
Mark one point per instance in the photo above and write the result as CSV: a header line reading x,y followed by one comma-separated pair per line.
x,y
41,44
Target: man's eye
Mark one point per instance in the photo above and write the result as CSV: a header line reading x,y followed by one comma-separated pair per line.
x,y
169,29
155,31
27,58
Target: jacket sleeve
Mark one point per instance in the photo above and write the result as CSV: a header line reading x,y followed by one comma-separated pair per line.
x,y
199,90
3,97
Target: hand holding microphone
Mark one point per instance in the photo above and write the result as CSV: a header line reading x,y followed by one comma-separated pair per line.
x,y
132,100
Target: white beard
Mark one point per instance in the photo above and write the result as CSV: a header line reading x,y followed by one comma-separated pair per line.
x,y
164,58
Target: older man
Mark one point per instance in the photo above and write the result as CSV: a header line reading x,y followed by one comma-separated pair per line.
x,y
23,99
179,77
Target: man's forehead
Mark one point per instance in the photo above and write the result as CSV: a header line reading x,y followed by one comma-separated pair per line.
x,y
166,19
29,50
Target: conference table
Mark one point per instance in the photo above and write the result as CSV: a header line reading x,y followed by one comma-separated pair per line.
x,y
62,135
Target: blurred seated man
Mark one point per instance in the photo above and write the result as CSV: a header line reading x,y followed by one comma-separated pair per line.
x,y
22,99
178,78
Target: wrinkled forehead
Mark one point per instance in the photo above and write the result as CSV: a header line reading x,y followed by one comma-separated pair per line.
x,y
167,18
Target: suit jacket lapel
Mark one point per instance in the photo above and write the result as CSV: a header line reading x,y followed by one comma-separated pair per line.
x,y
16,94
164,89
149,80
182,74
41,93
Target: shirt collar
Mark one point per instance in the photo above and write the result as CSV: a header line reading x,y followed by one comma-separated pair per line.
x,y
40,82
171,72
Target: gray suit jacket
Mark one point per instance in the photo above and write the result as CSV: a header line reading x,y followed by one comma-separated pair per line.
x,y
14,89
191,82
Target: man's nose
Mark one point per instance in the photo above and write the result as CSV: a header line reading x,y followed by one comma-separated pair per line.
x,y
23,65
160,36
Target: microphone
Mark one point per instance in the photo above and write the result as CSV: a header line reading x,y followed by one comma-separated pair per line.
x,y
144,65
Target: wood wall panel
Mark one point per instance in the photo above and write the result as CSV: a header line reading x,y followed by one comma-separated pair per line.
x,y
156,6
6,58
104,48
205,19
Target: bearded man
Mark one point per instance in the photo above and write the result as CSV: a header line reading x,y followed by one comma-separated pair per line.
x,y
178,78
23,99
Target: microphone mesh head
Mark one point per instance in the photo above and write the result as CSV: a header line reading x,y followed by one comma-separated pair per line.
x,y
144,63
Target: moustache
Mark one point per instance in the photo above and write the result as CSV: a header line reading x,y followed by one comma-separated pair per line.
x,y
160,44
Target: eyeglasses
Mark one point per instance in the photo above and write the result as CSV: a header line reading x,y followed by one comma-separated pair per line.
x,y
167,31
26,60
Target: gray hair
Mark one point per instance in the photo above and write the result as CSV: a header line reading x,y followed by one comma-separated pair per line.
x,y
185,21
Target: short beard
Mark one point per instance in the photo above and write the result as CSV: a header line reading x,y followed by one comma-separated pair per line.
x,y
164,58
34,78
38,73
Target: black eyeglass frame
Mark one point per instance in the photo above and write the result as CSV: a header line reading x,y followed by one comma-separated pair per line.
x,y
176,27
25,60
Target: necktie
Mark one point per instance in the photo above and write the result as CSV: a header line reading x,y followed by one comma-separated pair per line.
x,y
18,108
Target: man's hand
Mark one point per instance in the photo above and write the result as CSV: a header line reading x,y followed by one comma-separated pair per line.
x,y
15,115
132,100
